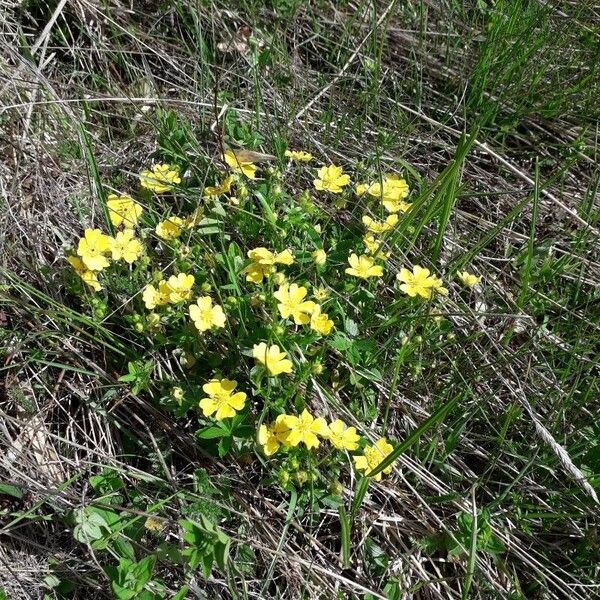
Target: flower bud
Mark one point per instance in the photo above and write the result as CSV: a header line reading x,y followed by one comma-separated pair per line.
x,y
301,477
317,368
283,477
153,319
336,488
187,360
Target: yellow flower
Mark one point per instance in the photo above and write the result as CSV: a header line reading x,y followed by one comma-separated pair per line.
x,y
153,297
320,322
125,246
268,440
291,303
206,316
274,360
392,191
437,285
161,178
373,246
284,258
180,287
319,256
221,399
88,277
342,437
266,257
298,155
271,438
123,210
469,279
177,394
262,256
420,282
373,456
363,267
92,249
224,187
264,261
170,228
321,293
395,206
379,226
305,429
361,188
256,272
240,165
331,179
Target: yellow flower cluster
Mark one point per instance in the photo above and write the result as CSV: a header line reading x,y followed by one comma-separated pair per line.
x,y
95,250
178,288
289,431
264,263
392,191
303,312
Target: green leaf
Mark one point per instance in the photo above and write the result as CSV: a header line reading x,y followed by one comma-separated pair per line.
x,y
221,553
89,526
213,432
143,570
359,496
207,562
11,490
225,445
344,536
181,594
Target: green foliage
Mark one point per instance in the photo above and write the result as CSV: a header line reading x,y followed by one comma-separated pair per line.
x,y
206,545
131,579
138,375
485,539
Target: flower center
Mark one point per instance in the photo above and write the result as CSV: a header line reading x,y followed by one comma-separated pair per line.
x,y
206,315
